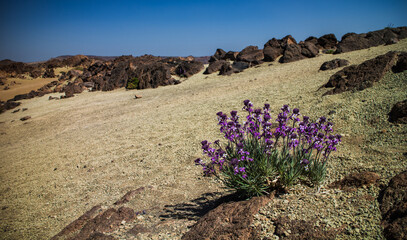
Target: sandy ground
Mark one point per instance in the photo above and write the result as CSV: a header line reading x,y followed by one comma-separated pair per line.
x,y
91,149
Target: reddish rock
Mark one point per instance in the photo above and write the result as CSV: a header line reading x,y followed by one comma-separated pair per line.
x,y
336,63
313,40
393,206
272,53
286,41
398,113
231,56
361,76
356,180
228,221
219,54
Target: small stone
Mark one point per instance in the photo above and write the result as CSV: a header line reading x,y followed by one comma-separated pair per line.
x,y
15,111
25,118
25,109
331,112
137,96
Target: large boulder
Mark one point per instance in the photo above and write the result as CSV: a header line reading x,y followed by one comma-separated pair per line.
x,y
187,69
309,49
219,54
327,41
352,42
251,54
398,113
313,40
292,53
393,207
336,63
226,69
152,75
287,40
271,53
231,55
359,77
214,66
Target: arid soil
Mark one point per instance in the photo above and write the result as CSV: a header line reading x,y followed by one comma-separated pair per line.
x,y
93,148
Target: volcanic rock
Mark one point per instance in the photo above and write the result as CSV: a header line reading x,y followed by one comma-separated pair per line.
x,y
219,54
398,113
240,66
230,56
393,206
272,53
131,194
401,64
327,41
292,53
71,89
313,40
336,63
49,73
187,69
309,49
251,54
230,220
25,118
361,76
214,66
4,106
287,40
226,69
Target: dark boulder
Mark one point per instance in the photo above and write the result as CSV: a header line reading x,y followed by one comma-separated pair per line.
x,y
226,69
359,77
292,53
313,40
49,73
271,53
309,49
398,113
231,55
393,207
401,64
71,89
213,59
336,63
214,66
286,41
4,106
251,54
152,75
273,43
187,69
352,42
327,41
240,66
219,54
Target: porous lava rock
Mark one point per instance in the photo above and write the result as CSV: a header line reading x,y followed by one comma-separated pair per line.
x,y
231,55
359,77
271,53
398,113
226,69
356,180
251,54
335,63
229,220
327,41
393,207
219,54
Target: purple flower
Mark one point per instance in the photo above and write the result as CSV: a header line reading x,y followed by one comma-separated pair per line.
x,y
305,161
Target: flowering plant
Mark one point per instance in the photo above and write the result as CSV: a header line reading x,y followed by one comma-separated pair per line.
x,y
259,153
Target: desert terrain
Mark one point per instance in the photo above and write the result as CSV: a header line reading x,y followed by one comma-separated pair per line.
x,y
93,148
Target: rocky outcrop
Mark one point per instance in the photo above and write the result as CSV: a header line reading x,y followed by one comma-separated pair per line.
x,y
187,69
230,220
292,53
398,113
353,41
231,56
359,77
4,106
309,49
214,66
401,64
393,207
327,41
336,63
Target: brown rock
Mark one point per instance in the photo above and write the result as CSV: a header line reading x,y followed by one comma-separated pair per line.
x,y
187,69
226,69
219,54
361,76
231,56
214,66
393,206
49,73
401,64
272,53
228,221
336,63
250,54
8,105
138,228
25,118
309,49
137,96
292,53
356,180
398,113
327,41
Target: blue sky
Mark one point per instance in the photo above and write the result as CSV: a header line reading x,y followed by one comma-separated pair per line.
x,y
39,30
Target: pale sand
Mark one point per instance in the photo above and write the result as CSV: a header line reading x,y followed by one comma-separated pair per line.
x,y
126,143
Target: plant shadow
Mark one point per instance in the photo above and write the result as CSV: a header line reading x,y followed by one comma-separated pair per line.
x,y
198,207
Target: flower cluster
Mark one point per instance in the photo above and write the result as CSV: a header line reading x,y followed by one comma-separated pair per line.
x,y
306,145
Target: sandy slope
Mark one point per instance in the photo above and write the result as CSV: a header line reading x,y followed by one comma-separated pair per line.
x,y
78,152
